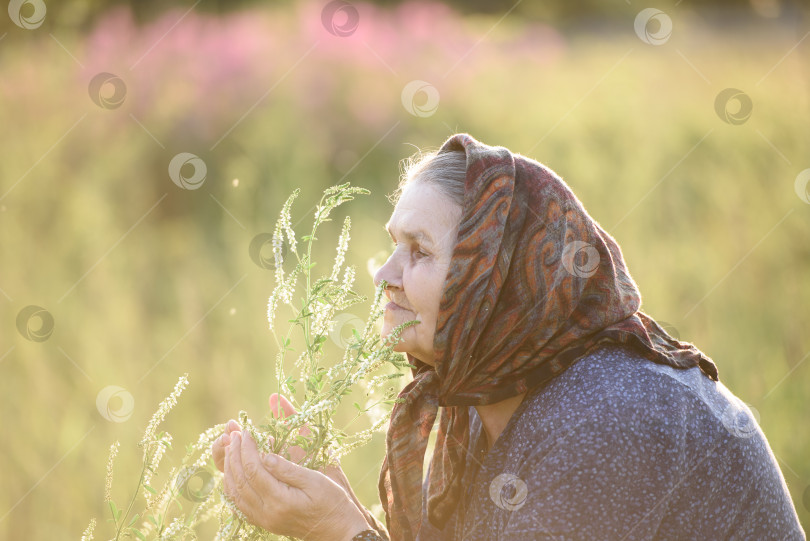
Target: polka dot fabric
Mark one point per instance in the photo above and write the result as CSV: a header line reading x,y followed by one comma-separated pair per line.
x,y
620,448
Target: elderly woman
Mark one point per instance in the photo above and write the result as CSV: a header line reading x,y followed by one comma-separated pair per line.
x,y
567,413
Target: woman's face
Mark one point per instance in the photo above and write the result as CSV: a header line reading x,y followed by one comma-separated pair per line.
x,y
423,227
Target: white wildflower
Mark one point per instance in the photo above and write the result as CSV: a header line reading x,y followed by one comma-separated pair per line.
x,y
278,259
345,288
160,450
286,221
174,528
272,304
159,502
206,439
88,533
348,277
321,317
300,362
108,483
164,408
342,247
283,292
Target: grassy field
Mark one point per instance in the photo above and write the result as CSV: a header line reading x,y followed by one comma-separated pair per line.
x,y
145,280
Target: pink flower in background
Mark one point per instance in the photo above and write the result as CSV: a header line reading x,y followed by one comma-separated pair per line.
x,y
196,73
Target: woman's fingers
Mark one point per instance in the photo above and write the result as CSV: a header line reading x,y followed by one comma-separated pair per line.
x,y
283,408
288,472
277,468
283,497
297,454
219,445
238,482
253,462
218,451
280,405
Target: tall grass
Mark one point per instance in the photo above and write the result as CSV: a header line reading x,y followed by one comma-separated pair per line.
x,y
317,388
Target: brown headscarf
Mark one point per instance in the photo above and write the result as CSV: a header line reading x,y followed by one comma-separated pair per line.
x,y
533,285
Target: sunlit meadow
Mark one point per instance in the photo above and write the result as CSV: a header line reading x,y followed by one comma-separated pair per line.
x,y
147,280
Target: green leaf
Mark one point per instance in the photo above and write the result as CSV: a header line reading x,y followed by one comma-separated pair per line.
x,y
131,522
115,512
150,489
139,534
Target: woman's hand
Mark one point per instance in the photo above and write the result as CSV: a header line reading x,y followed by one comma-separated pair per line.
x,y
282,408
218,448
285,498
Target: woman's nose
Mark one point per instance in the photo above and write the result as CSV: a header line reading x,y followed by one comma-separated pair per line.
x,y
391,272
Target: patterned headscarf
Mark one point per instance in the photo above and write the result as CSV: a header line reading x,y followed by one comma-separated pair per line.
x,y
533,285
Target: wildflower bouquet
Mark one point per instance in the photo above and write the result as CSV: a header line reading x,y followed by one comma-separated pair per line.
x,y
177,510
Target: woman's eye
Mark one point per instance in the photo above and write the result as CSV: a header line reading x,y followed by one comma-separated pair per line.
x,y
416,251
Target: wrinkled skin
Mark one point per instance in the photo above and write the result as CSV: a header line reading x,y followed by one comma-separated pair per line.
x,y
283,497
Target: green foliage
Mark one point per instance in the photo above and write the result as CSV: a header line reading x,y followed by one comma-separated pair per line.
x,y
325,384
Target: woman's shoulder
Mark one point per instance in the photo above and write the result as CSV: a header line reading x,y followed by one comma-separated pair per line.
x,y
619,378
616,433
615,386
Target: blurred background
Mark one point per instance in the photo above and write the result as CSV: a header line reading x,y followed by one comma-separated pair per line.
x,y
147,147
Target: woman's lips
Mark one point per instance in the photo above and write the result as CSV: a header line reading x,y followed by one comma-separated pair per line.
x,y
393,306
